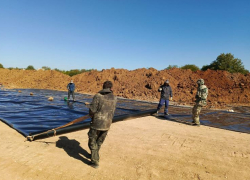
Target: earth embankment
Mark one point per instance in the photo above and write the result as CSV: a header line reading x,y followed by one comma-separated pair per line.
x,y
224,87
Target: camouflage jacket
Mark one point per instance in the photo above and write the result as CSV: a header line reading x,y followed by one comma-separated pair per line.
x,y
201,95
102,110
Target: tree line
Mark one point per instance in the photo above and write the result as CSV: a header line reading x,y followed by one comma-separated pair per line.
x,y
224,61
71,72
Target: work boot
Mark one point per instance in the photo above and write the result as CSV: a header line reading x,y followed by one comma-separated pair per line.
x,y
166,114
157,113
94,164
194,124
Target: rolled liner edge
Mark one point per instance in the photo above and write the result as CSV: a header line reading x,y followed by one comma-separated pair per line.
x,y
78,127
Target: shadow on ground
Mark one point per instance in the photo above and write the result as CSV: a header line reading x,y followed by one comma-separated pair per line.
x,y
73,149
173,118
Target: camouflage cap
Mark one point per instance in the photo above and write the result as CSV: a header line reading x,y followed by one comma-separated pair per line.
x,y
201,81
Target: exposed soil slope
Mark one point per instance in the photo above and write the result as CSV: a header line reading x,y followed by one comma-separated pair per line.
x,y
143,84
224,87
33,79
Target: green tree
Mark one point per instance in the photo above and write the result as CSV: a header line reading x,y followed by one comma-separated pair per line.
x,y
191,66
73,72
171,66
228,63
46,68
1,66
86,70
30,67
57,70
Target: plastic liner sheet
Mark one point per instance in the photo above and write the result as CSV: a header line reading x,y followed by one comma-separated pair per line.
x,y
33,114
234,121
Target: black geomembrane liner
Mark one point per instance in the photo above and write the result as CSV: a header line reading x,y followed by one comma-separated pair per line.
x,y
33,114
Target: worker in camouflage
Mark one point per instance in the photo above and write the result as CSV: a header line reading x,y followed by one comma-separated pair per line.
x,y
200,101
101,111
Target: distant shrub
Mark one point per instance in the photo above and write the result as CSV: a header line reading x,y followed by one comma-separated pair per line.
x,y
192,67
1,66
73,72
46,68
87,70
30,67
10,68
171,66
57,70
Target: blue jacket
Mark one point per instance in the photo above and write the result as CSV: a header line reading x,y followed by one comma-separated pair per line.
x,y
71,87
166,91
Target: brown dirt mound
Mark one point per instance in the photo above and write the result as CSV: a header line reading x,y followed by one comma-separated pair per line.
x,y
33,79
224,87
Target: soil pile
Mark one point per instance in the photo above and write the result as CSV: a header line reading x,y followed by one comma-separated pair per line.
x,y
33,79
224,87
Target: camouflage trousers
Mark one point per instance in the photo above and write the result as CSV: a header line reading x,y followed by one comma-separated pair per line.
x,y
195,113
96,138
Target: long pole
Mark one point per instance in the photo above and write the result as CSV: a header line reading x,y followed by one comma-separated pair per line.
x,y
31,138
75,127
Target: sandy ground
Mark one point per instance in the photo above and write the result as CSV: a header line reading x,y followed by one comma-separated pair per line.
x,y
142,148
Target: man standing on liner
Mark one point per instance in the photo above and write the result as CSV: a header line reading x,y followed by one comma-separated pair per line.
x,y
200,101
71,90
101,111
166,92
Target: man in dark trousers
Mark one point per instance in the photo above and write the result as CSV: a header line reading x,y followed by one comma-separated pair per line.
x,y
71,90
166,92
101,111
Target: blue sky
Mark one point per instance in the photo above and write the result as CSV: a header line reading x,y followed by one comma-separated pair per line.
x,y
129,34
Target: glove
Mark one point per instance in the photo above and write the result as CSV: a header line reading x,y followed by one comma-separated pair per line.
x,y
86,103
171,98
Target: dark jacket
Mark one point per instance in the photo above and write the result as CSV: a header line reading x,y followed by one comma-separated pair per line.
x,y
71,87
102,110
166,91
